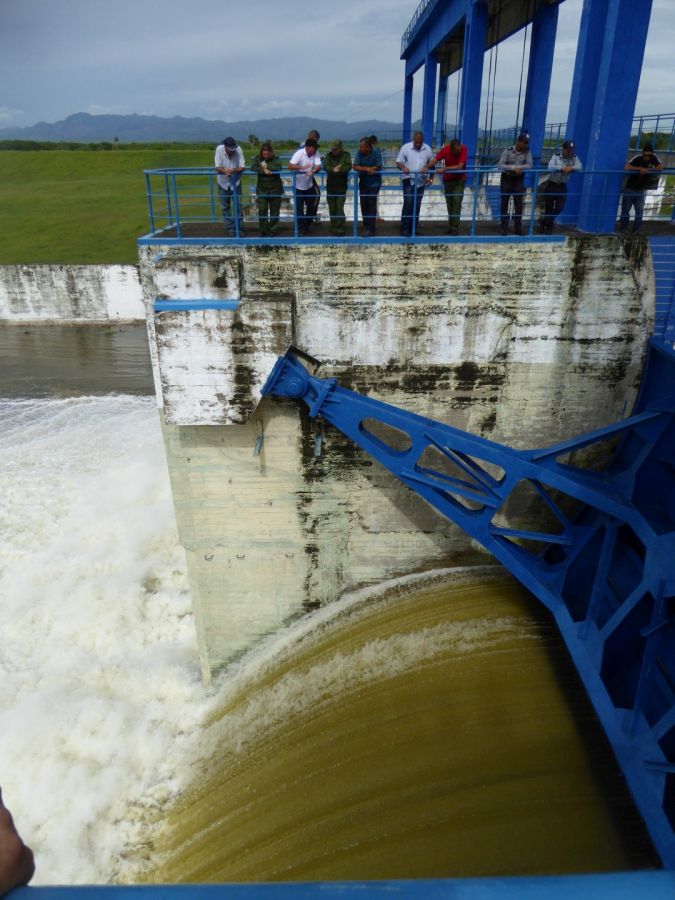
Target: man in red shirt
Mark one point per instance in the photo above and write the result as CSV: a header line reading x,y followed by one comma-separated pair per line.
x,y
454,179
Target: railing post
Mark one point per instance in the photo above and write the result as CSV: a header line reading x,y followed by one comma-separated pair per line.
x,y
213,199
639,133
148,191
175,203
295,206
168,198
413,230
355,223
535,190
476,188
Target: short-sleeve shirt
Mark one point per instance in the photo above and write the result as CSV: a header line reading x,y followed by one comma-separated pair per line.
x,y
514,159
366,180
300,158
636,181
452,159
415,160
235,161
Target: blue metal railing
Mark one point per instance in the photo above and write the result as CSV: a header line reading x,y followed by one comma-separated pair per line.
x,y
184,204
418,15
658,128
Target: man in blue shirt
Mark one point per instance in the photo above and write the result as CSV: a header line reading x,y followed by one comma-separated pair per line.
x,y
368,163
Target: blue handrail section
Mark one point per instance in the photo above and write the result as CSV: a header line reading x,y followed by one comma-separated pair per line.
x,y
610,886
659,128
183,204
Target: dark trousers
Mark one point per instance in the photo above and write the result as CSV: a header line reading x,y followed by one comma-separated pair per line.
x,y
635,199
554,203
269,206
454,192
511,187
369,208
306,205
412,204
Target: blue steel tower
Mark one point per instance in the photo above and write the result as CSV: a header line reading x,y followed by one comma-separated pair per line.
x,y
447,36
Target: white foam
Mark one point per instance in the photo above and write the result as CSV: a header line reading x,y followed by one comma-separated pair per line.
x,y
98,660
102,706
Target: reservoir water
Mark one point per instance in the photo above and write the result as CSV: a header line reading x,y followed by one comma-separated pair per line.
x,y
433,730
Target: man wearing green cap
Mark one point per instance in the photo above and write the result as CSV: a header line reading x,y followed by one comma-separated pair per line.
x,y
337,163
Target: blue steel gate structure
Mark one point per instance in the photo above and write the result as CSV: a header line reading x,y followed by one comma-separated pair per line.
x,y
604,565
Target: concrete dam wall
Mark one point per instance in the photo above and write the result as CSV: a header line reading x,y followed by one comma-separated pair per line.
x,y
523,342
33,293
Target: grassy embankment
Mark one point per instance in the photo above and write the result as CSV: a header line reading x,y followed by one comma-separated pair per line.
x,y
79,206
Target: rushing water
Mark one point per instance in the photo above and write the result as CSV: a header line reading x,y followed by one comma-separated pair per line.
x,y
436,732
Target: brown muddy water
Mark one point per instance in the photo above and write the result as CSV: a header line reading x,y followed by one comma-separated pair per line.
x,y
61,360
437,732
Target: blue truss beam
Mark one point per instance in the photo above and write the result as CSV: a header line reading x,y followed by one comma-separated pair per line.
x,y
606,571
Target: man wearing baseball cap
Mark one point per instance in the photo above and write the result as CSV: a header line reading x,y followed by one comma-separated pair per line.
x,y
554,187
338,165
512,164
230,164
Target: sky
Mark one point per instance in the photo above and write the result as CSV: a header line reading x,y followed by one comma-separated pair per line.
x,y
267,59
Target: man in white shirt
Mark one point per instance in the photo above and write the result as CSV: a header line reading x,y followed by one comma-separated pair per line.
x,y
306,162
230,164
413,160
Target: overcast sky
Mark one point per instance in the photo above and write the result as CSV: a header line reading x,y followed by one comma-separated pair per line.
x,y
255,60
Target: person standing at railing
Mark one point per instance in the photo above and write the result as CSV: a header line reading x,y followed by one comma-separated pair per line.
x,y
513,163
641,179
269,188
368,163
413,160
314,135
230,163
306,162
554,187
454,155
337,163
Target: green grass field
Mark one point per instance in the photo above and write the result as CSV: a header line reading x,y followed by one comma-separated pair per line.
x,y
79,206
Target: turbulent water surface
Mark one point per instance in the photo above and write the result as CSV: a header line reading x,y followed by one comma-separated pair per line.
x,y
434,732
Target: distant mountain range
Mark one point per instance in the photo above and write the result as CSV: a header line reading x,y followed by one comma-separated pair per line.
x,y
83,127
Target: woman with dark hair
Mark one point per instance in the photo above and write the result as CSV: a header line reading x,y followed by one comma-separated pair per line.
x,y
269,188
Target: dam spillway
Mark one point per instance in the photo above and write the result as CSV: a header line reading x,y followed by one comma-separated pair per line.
x,y
526,343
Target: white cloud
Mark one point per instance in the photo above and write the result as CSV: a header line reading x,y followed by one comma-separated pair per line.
x,y
10,117
96,109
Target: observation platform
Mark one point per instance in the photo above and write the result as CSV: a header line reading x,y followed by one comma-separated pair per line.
x,y
183,204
